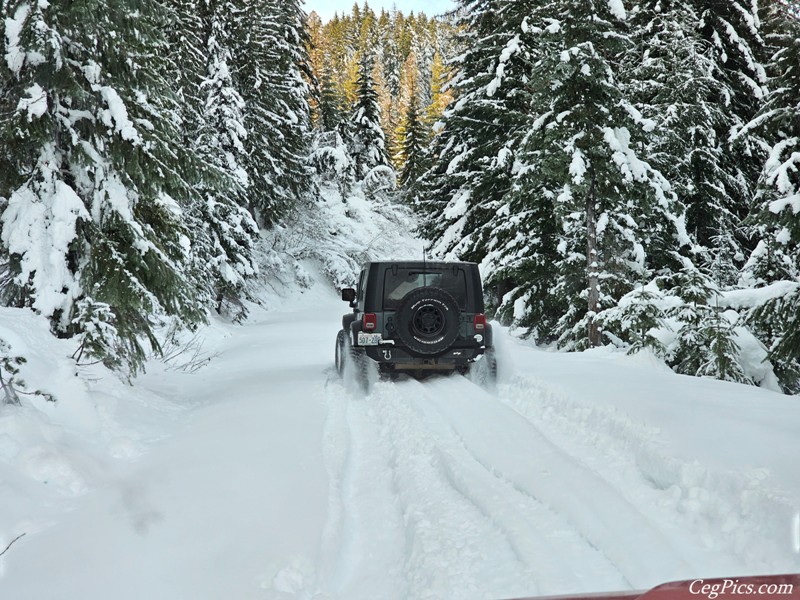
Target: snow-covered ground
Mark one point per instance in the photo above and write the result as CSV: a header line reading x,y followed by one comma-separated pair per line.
x,y
262,475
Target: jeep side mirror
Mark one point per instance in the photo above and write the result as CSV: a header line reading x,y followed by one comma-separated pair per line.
x,y
349,295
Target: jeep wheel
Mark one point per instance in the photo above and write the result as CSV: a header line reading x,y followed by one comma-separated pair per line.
x,y
341,352
427,320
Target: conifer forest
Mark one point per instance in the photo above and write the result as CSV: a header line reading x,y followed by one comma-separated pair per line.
x,y
625,172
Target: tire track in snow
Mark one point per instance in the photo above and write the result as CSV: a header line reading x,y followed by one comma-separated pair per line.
x,y
362,548
452,548
397,528
514,449
558,557
440,490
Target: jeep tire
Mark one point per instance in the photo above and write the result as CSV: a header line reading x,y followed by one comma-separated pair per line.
x,y
427,320
342,351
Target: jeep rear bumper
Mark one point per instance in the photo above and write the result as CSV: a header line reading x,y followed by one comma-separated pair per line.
x,y
399,359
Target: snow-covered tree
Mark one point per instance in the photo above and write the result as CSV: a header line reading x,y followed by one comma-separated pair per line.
x,y
93,193
366,137
187,41
616,216
270,55
731,30
705,338
221,220
332,161
776,218
676,82
415,142
11,382
637,319
329,107
473,151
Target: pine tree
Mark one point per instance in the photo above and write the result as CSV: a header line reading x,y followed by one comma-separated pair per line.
x,y
731,30
414,143
221,220
330,113
187,41
637,319
92,173
705,342
578,165
392,59
425,51
676,82
270,52
775,221
463,190
366,138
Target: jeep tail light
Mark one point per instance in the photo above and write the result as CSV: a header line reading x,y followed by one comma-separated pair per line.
x,y
370,321
480,322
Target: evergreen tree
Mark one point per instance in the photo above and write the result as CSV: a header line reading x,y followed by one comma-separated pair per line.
x,y
731,30
270,52
392,59
636,320
187,41
414,143
705,338
92,170
329,108
675,80
366,139
776,221
425,52
222,223
463,190
578,166
776,257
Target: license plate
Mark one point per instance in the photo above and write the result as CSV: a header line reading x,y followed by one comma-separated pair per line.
x,y
369,339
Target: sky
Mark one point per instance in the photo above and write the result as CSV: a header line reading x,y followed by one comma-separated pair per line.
x,y
326,8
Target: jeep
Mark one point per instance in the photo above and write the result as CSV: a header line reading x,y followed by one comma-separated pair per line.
x,y
415,317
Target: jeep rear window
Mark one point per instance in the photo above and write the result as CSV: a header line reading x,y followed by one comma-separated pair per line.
x,y
398,282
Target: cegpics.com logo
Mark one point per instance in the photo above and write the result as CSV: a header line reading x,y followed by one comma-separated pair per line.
x,y
733,587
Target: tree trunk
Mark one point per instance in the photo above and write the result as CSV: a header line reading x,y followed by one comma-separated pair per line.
x,y
592,267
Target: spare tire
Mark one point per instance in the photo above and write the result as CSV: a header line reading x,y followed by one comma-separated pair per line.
x,y
427,320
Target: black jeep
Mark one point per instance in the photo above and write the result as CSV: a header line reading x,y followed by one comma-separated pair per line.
x,y
416,317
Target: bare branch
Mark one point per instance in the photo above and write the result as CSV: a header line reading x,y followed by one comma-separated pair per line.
x,y
11,542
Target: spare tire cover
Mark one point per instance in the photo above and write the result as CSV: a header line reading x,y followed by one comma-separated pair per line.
x,y
427,320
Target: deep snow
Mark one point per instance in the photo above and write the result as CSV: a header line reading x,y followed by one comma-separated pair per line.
x,y
263,475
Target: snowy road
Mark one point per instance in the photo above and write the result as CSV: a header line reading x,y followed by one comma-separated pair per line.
x,y
580,473
441,484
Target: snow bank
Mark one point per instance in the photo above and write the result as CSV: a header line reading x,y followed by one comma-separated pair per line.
x,y
53,453
716,456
